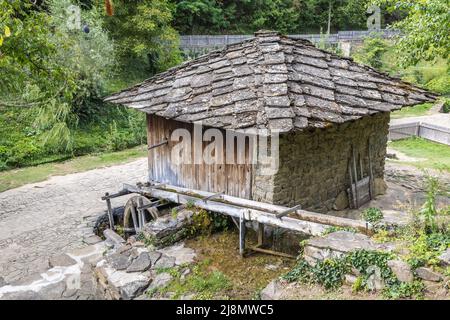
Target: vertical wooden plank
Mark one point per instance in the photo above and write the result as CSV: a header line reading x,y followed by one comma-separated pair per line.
x,y
242,235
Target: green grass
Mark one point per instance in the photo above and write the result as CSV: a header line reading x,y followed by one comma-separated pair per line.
x,y
202,282
18,177
434,155
416,111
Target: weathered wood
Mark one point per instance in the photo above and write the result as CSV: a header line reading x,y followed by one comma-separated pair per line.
x,y
287,211
134,218
242,234
272,252
356,176
115,195
110,211
370,170
260,234
162,143
307,222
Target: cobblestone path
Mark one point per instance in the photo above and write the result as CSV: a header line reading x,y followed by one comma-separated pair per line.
x,y
51,217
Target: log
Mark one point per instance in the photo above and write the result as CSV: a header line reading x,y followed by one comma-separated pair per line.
x,y
307,222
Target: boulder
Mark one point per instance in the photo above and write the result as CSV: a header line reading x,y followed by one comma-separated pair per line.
x,y
341,201
164,262
401,270
181,254
168,229
160,281
428,274
273,291
133,289
379,186
337,244
113,237
118,261
141,263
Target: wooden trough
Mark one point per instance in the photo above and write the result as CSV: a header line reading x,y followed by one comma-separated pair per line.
x,y
242,210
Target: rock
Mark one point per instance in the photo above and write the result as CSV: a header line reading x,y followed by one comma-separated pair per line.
x,y
133,289
164,262
444,258
393,218
154,256
53,291
341,201
113,237
401,270
336,244
160,281
22,295
120,284
273,291
141,263
379,186
138,244
93,239
181,254
168,229
124,250
428,274
61,260
350,279
118,261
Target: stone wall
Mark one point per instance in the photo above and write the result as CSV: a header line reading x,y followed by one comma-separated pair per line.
x,y
313,167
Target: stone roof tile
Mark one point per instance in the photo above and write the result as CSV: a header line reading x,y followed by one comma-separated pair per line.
x,y
271,82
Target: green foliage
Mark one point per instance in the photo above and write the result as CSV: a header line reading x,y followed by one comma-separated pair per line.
x,y
201,282
402,290
145,41
371,52
425,29
205,222
332,229
372,215
247,16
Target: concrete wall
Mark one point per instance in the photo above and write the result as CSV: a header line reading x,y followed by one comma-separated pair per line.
x,y
313,165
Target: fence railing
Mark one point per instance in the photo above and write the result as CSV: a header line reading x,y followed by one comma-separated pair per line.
x,y
207,41
419,129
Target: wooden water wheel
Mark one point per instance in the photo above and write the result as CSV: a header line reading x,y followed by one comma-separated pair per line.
x,y
135,219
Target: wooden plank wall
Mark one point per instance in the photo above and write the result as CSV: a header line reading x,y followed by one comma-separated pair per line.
x,y
233,179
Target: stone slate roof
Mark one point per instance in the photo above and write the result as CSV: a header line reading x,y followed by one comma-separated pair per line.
x,y
273,82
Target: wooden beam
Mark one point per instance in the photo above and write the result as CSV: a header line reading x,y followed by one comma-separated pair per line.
x,y
287,211
307,222
272,252
159,144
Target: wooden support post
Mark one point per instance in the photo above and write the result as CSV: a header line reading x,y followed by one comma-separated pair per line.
x,y
370,171
356,178
110,212
141,213
135,219
150,205
260,234
287,211
242,235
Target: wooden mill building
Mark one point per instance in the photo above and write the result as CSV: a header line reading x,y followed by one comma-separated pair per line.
x,y
331,113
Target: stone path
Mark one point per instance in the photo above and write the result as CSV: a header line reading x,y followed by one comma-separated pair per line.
x,y
43,219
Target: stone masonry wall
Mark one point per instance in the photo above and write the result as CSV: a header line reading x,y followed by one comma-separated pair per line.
x,y
313,167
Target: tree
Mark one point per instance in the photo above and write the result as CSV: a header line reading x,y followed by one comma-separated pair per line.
x,y
50,67
142,32
425,29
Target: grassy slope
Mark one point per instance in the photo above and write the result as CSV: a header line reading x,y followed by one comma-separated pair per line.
x,y
419,110
16,178
434,155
